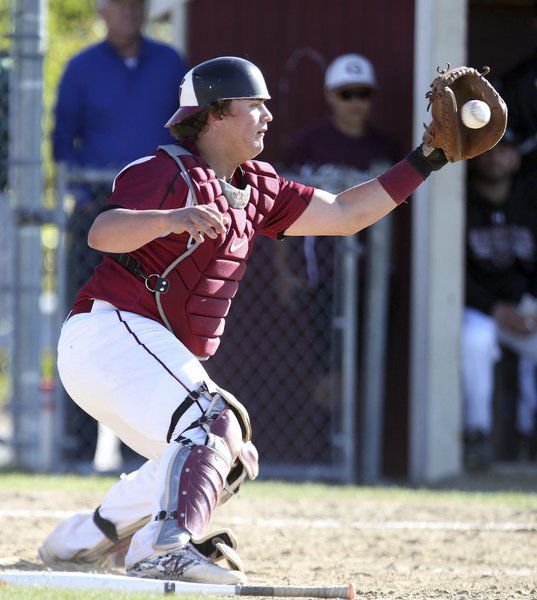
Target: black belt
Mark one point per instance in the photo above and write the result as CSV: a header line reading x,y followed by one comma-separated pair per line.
x,y
133,266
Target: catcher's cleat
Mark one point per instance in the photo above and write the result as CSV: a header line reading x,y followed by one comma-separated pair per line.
x,y
109,553
186,564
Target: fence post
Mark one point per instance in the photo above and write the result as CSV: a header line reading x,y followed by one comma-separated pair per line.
x,y
26,184
374,352
349,365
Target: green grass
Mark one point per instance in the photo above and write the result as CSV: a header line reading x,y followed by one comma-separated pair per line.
x,y
21,482
17,481
383,494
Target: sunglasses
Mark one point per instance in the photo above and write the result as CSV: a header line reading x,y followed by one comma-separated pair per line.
x,y
360,93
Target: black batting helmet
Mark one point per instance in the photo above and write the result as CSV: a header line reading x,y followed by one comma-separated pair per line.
x,y
223,78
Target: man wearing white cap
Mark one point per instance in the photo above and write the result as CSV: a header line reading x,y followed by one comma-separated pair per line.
x,y
345,138
331,154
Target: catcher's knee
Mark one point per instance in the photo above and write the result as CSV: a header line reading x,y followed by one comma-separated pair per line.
x,y
226,429
244,460
227,425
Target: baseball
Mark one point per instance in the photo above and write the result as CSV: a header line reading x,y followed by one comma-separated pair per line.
x,y
475,114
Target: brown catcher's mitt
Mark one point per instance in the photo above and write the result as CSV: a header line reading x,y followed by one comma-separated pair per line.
x,y
450,91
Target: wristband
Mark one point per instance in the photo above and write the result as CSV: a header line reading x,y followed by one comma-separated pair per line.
x,y
401,180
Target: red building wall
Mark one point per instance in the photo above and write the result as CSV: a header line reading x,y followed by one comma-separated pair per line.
x,y
292,41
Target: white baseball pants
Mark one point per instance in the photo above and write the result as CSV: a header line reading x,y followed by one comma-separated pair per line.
x,y
130,373
480,352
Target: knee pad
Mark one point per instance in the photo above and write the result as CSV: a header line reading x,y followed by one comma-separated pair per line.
x,y
246,463
226,429
227,421
243,455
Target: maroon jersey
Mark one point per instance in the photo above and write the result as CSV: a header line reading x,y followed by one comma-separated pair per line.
x,y
322,144
204,283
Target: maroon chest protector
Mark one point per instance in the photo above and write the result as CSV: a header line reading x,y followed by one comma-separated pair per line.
x,y
202,278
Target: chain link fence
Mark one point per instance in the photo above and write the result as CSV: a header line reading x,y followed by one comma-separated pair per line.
x,y
292,352
282,353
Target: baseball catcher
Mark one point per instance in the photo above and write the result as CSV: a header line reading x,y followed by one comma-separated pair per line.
x,y
176,235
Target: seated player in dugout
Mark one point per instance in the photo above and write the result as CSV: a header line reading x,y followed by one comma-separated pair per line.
x,y
501,300
178,231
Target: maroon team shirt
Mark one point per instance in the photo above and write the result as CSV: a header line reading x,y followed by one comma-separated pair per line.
x,y
322,144
155,182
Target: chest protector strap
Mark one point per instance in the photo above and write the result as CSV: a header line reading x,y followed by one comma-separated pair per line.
x,y
159,284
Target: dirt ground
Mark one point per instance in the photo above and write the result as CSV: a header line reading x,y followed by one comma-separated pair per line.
x,y
389,548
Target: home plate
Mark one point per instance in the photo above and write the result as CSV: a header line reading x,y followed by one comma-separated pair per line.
x,y
122,583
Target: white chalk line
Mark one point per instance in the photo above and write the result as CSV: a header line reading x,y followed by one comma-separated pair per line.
x,y
387,525
468,572
495,526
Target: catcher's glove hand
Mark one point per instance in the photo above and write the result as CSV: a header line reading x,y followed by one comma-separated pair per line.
x,y
450,91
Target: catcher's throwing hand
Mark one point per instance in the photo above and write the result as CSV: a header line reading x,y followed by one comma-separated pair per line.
x,y
198,221
449,92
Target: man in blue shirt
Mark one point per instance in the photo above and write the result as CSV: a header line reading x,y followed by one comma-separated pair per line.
x,y
115,96
113,100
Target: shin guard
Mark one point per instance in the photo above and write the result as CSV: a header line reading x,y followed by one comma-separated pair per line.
x,y
199,475
195,480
